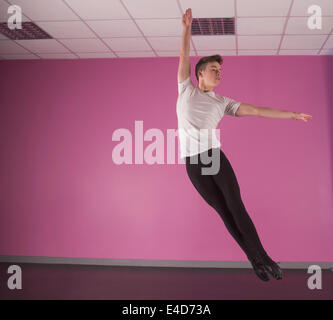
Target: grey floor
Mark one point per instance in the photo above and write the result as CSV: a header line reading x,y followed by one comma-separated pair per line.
x,y
44,281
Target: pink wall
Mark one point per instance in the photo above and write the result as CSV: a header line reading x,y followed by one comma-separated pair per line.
x,y
62,196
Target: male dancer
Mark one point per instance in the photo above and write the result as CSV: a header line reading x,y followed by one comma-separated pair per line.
x,y
198,109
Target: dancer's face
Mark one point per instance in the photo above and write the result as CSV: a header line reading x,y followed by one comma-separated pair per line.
x,y
212,74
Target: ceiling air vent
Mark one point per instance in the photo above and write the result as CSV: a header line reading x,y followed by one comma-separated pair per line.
x,y
29,31
213,26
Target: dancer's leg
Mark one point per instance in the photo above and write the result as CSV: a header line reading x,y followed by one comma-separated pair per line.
x,y
226,181
209,190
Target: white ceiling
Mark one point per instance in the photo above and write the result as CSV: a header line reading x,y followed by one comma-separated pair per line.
x,y
152,28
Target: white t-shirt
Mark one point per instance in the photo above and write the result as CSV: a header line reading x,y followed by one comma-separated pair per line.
x,y
199,114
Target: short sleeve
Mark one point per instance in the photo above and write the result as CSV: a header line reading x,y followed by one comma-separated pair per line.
x,y
187,83
231,106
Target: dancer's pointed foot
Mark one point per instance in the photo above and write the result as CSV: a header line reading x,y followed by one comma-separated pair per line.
x,y
272,267
259,268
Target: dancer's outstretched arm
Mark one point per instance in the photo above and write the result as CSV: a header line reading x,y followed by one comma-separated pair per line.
x,y
251,110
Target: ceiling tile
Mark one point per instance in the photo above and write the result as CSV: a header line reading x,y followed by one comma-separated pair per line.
x,y
9,46
19,56
128,44
298,52
47,10
300,8
115,28
273,25
136,54
153,9
43,45
327,51
258,42
302,42
203,53
256,52
214,42
329,43
160,27
257,8
99,9
210,9
85,45
67,29
299,25
58,56
96,55
165,43
174,53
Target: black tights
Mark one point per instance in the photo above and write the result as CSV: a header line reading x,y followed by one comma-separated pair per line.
x,y
221,191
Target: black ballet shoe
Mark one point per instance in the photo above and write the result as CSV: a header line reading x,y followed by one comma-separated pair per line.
x,y
272,267
259,269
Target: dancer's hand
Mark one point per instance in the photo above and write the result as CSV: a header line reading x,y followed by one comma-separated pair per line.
x,y
187,18
301,116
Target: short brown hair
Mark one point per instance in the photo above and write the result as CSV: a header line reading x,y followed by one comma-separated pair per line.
x,y
202,63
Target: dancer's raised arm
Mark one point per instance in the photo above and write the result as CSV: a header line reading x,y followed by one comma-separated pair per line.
x,y
184,69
